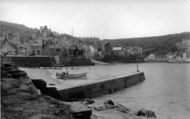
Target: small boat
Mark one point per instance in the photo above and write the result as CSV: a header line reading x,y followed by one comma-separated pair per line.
x,y
64,75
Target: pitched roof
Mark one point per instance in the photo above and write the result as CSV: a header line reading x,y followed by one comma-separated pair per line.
x,y
9,45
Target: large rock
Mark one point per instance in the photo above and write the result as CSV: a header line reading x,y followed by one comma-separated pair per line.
x,y
39,83
87,101
121,108
109,104
10,70
110,110
146,113
20,98
79,111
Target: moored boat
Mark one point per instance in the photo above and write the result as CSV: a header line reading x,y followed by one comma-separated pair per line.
x,y
65,76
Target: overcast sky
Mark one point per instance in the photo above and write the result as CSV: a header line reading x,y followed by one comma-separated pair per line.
x,y
101,18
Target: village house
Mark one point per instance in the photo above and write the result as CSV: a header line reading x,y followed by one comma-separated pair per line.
x,y
76,51
86,51
51,51
170,56
36,47
118,51
121,51
55,50
128,50
94,52
8,48
137,50
24,49
133,50
107,49
151,57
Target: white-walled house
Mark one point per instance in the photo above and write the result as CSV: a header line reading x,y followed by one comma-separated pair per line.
x,y
170,56
151,56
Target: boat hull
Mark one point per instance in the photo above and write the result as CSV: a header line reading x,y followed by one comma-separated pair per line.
x,y
71,76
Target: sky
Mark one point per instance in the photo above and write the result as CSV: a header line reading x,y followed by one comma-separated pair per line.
x,y
106,19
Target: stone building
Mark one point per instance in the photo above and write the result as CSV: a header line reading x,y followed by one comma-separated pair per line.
x,y
36,48
8,48
118,51
107,49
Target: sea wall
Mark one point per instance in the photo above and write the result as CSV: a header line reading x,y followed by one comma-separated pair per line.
x,y
123,59
45,61
31,61
74,61
100,88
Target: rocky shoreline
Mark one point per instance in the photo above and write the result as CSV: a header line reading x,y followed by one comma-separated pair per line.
x,y
23,98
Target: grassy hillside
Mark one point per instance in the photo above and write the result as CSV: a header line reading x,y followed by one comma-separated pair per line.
x,y
159,44
15,28
24,32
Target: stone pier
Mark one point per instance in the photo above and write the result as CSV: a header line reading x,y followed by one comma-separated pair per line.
x,y
95,89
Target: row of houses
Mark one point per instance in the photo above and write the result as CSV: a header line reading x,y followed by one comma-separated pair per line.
x,y
36,48
46,43
171,56
109,50
183,53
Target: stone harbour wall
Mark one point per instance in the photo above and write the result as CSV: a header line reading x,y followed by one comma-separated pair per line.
x,y
46,61
31,61
101,88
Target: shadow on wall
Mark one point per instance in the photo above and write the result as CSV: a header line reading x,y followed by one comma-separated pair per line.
x,y
31,61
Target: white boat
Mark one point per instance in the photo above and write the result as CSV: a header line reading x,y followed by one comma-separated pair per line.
x,y
65,76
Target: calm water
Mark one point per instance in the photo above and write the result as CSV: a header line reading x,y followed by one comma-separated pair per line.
x,y
166,89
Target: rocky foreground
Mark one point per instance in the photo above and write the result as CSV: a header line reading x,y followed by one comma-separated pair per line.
x,y
22,100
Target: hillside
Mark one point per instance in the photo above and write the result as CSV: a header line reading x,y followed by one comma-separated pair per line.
x,y
158,44
24,32
15,28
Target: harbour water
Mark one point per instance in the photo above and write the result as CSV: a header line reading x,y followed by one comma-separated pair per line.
x,y
166,89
